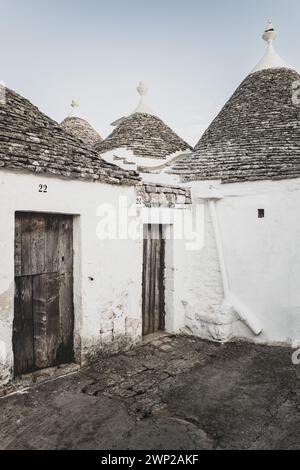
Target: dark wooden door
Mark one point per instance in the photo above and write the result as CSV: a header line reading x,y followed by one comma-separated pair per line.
x,y
43,313
153,307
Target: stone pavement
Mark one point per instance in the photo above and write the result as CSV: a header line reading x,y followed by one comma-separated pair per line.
x,y
172,393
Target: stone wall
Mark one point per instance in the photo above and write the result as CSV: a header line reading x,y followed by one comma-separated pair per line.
x,y
159,195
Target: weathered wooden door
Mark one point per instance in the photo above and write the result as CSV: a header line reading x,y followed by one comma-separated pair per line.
x,y
153,308
43,312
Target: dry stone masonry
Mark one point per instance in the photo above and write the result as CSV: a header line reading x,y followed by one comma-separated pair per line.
x,y
81,129
157,195
31,141
255,137
146,136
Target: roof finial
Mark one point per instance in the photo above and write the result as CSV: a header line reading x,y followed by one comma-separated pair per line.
x,y
269,34
271,59
142,89
74,105
142,107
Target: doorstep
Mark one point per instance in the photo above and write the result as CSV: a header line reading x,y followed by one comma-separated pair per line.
x,y
24,382
158,336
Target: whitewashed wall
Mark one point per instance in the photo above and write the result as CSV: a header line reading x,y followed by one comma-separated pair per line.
x,y
262,259
107,309
202,290
107,273
263,255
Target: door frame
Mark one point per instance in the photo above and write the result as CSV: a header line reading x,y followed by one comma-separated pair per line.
x,y
147,228
77,276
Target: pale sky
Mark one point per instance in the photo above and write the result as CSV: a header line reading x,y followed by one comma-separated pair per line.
x,y
191,53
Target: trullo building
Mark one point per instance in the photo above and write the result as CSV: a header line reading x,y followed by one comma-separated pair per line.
x,y
61,297
224,261
77,280
245,171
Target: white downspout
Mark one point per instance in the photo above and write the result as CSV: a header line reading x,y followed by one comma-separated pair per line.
x,y
245,313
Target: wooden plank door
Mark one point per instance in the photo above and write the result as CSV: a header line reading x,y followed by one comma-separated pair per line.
x,y
153,305
43,314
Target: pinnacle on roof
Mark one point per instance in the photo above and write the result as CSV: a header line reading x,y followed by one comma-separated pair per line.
x,y
74,106
142,107
271,59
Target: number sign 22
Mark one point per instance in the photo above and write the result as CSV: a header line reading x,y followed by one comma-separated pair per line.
x,y
43,188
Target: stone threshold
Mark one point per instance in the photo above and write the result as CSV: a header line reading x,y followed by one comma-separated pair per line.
x,y
158,335
24,382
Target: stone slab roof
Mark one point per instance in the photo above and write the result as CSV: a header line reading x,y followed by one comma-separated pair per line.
x,y
256,136
31,141
146,136
81,129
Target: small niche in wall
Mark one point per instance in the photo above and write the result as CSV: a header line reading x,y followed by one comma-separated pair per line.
x,y
261,213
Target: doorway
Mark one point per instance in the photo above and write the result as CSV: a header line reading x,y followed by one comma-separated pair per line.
x,y
153,303
43,309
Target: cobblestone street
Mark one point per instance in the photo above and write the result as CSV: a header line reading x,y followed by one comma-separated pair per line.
x,y
171,393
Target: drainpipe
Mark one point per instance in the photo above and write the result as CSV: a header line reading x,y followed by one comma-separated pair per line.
x,y
244,312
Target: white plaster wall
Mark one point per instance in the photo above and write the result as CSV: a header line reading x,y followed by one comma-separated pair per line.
x,y
263,255
107,273
262,258
198,287
160,178
193,285
130,158
107,308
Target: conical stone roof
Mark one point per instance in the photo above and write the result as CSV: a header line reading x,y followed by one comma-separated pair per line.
x,y
31,141
81,129
144,134
255,136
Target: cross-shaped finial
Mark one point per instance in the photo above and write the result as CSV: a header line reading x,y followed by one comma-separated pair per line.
x,y
74,105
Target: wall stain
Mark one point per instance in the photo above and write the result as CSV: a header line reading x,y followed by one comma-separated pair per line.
x,y
6,304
